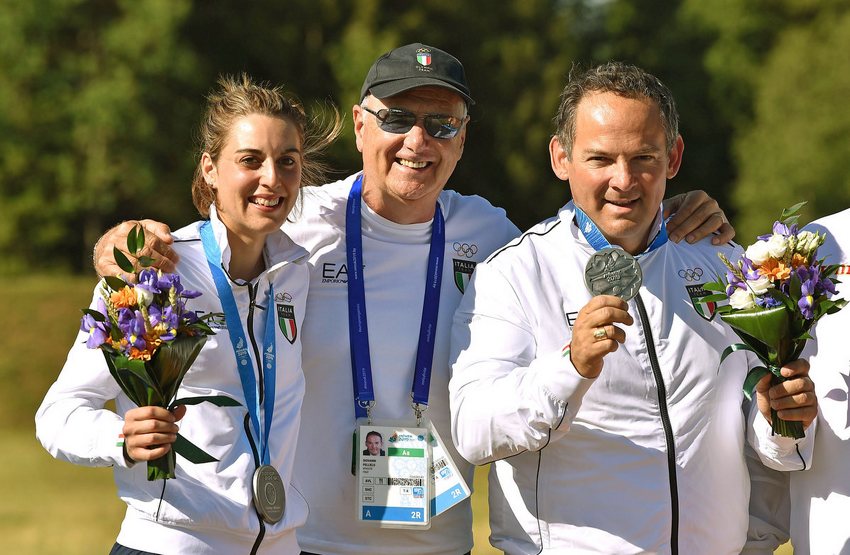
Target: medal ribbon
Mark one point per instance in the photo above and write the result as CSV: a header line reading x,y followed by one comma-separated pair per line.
x,y
239,343
599,242
358,329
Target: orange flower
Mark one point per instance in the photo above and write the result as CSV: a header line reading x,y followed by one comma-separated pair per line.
x,y
798,260
124,298
138,354
774,270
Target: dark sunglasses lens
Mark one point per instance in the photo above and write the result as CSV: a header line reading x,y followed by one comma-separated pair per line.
x,y
441,127
398,121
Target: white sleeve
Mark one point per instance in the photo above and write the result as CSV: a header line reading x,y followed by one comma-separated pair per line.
x,y
770,507
72,423
778,452
505,396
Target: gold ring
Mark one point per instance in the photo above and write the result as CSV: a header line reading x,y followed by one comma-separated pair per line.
x,y
600,333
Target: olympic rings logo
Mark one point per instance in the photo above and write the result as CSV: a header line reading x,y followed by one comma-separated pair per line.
x,y
464,249
691,275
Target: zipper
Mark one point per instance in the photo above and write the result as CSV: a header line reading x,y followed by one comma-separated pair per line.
x,y
665,423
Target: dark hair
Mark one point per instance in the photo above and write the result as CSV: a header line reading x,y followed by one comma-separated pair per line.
x,y
237,97
621,79
374,433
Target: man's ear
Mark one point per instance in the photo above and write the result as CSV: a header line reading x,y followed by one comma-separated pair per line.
x,y
674,158
359,122
559,159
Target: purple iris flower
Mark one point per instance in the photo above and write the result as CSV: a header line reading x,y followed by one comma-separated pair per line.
x,y
149,281
749,271
132,324
767,301
732,283
98,331
165,316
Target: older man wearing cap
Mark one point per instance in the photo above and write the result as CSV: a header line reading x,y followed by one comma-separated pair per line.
x,y
417,245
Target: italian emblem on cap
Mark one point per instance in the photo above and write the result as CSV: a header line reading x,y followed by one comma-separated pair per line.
x,y
423,57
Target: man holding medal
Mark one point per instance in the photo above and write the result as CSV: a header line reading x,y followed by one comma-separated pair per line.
x,y
376,342
588,368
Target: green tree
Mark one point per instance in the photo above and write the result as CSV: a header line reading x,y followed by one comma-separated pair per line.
x,y
90,104
778,80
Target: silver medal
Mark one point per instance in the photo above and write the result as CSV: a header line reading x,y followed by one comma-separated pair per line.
x,y
613,271
269,494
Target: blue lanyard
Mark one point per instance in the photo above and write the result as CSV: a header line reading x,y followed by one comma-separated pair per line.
x,y
599,242
358,329
240,345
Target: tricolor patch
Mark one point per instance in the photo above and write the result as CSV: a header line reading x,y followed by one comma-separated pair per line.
x,y
286,321
706,309
462,272
424,58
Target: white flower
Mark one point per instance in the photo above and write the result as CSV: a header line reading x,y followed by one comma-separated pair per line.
x,y
742,299
143,296
776,246
760,286
758,252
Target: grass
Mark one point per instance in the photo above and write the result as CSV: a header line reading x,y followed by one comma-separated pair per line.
x,y
52,507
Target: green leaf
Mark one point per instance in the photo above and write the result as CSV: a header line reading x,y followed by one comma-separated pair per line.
x,y
132,241
714,286
190,451
769,327
140,239
791,214
753,377
122,261
734,348
115,283
173,359
716,298
146,261
98,316
217,400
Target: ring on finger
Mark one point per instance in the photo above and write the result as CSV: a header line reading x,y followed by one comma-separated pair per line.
x,y
599,333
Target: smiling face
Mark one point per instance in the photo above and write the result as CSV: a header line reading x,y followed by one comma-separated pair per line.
x,y
373,444
619,165
256,177
405,173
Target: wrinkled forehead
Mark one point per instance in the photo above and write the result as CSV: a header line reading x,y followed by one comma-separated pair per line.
x,y
426,99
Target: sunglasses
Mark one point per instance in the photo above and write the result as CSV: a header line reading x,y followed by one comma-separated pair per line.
x,y
398,121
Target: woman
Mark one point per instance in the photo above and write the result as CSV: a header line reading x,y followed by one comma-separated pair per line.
x,y
257,148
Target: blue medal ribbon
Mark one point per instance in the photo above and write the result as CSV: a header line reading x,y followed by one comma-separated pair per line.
x,y
358,329
240,345
598,241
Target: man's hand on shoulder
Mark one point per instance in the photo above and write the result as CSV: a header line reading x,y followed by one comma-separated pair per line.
x,y
158,243
697,215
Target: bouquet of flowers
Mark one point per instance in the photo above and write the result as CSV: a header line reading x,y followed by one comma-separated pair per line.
x,y
777,292
150,340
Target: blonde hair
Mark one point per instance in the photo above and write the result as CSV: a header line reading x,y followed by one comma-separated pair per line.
x,y
240,96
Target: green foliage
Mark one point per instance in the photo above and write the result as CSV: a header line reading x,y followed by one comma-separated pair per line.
x,y
99,98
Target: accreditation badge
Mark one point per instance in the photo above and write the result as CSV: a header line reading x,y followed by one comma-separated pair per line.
x,y
394,474
448,486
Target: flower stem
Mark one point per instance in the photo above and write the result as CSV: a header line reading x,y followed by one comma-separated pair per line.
x,y
163,467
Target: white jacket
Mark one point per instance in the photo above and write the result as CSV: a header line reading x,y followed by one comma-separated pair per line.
x,y
813,505
646,458
208,508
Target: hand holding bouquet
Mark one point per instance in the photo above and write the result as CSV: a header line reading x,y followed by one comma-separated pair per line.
x,y
150,340
777,292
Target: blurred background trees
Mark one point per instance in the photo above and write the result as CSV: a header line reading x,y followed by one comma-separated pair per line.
x,y
99,99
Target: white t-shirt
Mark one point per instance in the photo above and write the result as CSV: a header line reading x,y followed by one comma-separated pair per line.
x,y
395,258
